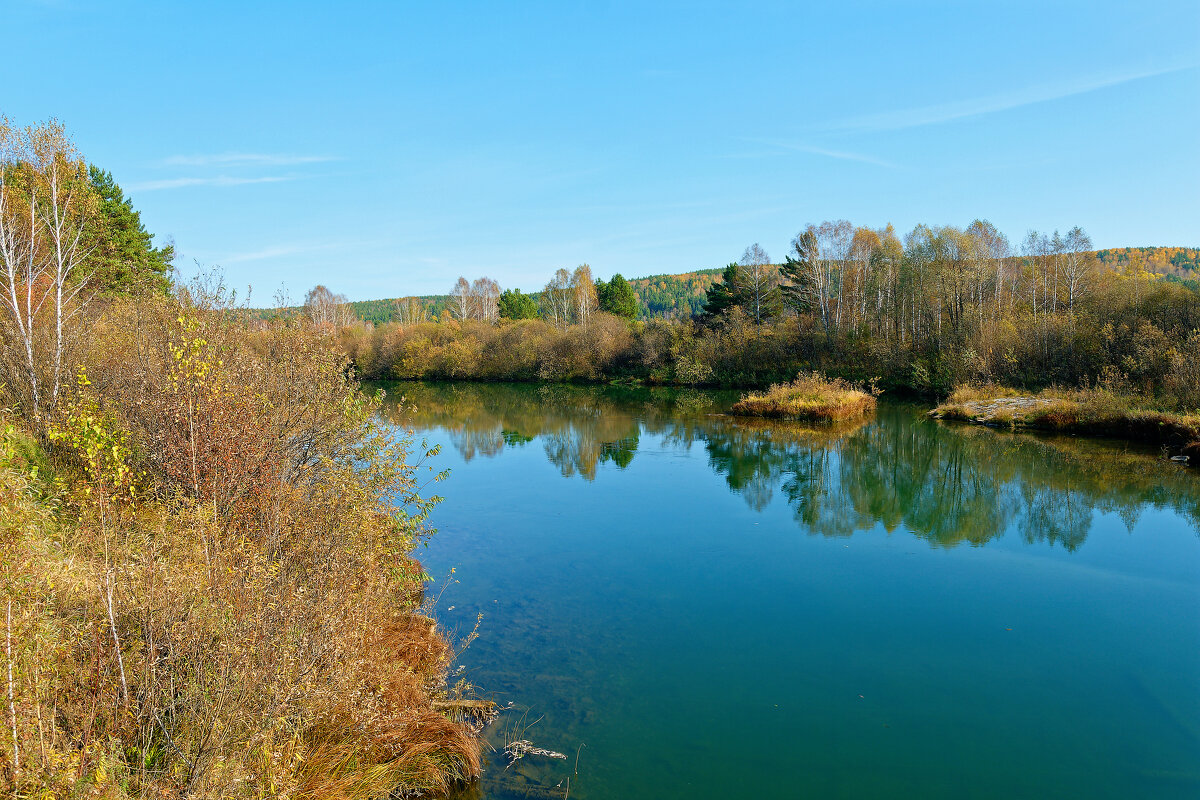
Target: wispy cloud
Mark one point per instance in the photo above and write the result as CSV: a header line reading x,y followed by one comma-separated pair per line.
x,y
803,147
263,254
244,159
993,103
219,180
282,250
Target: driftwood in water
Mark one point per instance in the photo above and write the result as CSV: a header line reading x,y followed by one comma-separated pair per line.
x,y
473,706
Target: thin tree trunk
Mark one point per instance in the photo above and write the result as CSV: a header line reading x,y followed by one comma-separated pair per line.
x,y
12,706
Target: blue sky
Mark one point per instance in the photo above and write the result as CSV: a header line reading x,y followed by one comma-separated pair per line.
x,y
385,148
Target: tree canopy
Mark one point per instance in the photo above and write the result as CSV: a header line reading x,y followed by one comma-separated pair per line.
x,y
617,297
514,305
123,254
726,294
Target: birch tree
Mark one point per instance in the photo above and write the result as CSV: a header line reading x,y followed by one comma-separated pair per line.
x,y
1078,265
994,248
804,290
860,281
326,309
410,311
759,285
485,293
815,264
557,299
460,299
46,202
834,239
583,294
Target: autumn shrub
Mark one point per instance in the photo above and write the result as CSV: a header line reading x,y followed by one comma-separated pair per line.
x,y
1183,376
218,597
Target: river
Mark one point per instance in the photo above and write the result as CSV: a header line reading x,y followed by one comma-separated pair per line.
x,y
688,605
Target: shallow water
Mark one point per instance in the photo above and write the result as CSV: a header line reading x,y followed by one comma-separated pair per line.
x,y
690,606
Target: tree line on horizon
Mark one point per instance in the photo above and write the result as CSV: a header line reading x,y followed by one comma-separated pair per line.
x,y
683,295
924,311
569,297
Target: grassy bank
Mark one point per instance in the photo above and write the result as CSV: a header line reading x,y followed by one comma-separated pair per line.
x,y
1091,412
808,397
208,585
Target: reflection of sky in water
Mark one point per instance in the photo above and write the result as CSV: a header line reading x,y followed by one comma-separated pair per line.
x,y
712,608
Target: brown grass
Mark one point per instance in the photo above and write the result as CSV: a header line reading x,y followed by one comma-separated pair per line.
x,y
253,524
1092,412
809,397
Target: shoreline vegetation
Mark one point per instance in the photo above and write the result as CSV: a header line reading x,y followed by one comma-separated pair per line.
x,y
917,314
1086,412
210,586
809,397
206,531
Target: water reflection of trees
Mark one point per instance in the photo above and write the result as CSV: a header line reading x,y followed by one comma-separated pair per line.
x,y
947,484
580,428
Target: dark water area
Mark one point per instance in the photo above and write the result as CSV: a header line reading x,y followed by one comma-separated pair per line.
x,y
689,605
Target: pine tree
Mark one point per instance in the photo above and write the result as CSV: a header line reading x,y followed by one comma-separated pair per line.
x,y
618,297
514,305
123,254
725,294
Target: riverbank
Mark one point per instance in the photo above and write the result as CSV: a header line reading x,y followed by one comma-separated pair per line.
x,y
210,587
1091,412
809,397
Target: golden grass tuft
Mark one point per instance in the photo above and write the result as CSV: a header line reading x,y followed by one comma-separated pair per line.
x,y
810,397
1095,411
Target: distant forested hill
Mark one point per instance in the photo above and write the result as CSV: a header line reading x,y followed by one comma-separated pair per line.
x,y
674,296
1181,262
660,296
380,311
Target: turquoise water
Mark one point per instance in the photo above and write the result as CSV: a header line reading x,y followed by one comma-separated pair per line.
x,y
689,606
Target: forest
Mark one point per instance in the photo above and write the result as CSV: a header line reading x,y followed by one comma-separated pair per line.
x,y
922,313
681,296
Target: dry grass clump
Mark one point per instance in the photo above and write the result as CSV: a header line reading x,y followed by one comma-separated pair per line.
x,y
209,589
1096,411
808,397
967,393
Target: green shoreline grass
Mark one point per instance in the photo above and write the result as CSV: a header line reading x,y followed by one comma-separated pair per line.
x,y
1088,412
809,397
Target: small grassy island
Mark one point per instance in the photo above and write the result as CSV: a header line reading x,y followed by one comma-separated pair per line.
x,y
1092,412
809,397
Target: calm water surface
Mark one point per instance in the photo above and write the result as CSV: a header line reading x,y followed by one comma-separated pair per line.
x,y
690,606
